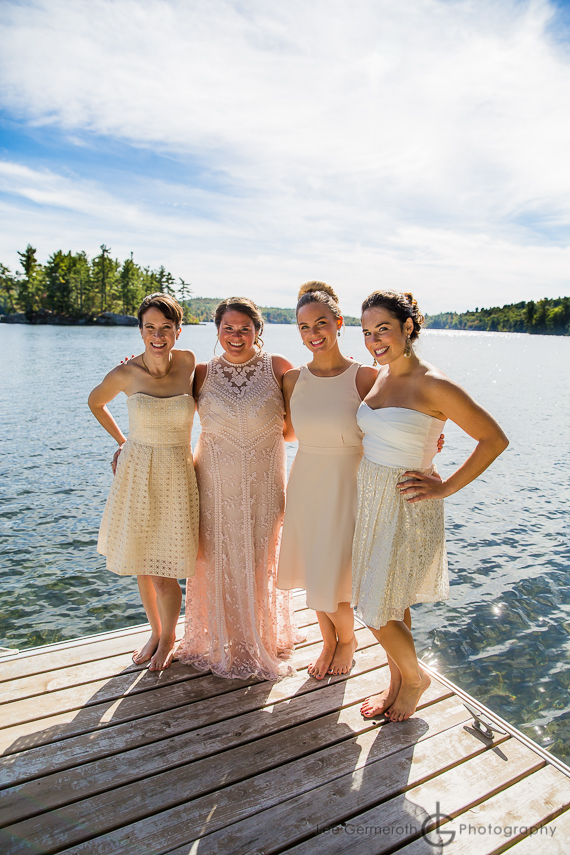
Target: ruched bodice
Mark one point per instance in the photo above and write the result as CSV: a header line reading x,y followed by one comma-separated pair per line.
x,y
398,437
160,421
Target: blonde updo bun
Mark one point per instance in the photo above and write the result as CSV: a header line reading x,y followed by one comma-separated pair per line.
x,y
309,287
319,292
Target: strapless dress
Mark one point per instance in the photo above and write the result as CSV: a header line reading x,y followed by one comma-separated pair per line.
x,y
150,521
399,555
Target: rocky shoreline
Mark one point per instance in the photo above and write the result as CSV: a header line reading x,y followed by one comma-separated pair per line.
x,y
109,319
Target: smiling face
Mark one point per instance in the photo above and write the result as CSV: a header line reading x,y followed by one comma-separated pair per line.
x,y
158,333
318,327
384,335
237,335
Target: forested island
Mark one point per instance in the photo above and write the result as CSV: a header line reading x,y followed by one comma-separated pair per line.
x,y
72,288
543,317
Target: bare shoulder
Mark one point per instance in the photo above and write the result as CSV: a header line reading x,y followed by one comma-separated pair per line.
x,y
289,380
365,379
186,357
280,363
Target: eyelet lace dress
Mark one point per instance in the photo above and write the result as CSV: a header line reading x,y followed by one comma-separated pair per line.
x,y
150,521
399,556
237,623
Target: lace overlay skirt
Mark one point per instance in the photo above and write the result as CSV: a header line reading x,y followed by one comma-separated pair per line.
x,y
399,556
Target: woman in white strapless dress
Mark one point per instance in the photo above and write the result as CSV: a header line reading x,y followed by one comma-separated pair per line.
x,y
399,556
150,523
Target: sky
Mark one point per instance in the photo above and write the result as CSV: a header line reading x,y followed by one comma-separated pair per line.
x,y
252,145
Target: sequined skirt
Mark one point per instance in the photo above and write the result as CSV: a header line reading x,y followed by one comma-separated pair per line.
x,y
399,556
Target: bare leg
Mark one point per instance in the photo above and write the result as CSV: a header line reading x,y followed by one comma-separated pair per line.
x,y
319,668
148,597
377,705
343,620
168,601
396,639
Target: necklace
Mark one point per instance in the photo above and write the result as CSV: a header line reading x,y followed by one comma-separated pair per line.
x,y
155,376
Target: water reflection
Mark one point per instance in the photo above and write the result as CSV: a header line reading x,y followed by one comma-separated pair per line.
x,y
503,635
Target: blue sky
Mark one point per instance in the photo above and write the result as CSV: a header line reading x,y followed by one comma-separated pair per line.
x,y
250,146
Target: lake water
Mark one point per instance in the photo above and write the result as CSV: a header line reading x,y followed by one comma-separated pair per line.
x,y
504,634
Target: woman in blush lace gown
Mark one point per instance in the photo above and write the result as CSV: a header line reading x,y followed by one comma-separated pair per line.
x,y
237,623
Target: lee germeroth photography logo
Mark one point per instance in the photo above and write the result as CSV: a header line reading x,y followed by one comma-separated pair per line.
x,y
435,823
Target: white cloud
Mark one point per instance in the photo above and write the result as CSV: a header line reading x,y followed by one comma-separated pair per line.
x,y
365,141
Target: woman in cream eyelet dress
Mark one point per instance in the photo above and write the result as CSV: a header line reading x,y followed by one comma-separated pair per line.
x,y
237,624
399,556
150,523
321,399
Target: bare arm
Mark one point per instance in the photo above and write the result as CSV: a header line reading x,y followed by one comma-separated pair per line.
x,y
281,367
108,389
455,404
199,378
289,381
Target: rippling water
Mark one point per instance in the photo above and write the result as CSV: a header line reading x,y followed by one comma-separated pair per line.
x,y
504,634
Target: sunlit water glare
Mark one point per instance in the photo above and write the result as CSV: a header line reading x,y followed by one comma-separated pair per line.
x,y
504,634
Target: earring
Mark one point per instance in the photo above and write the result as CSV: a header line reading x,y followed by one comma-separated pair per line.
x,y
408,348
374,363
216,344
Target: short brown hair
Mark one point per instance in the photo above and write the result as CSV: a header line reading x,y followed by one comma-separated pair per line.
x,y
166,304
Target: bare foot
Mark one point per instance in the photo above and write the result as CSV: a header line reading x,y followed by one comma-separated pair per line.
x,y
408,697
376,705
342,659
146,652
319,668
162,659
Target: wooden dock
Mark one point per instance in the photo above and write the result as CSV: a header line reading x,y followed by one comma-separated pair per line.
x,y
101,756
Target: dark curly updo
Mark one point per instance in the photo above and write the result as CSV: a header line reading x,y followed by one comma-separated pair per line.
x,y
401,306
319,292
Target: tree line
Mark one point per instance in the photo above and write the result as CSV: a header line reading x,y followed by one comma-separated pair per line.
x,y
543,317
75,286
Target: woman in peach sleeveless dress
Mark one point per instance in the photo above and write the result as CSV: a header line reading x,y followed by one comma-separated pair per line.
x,y
237,623
323,397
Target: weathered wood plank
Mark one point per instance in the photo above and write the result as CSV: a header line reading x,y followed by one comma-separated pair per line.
x,y
56,789
491,825
162,830
553,837
130,682
74,652
102,668
441,744
394,822
136,708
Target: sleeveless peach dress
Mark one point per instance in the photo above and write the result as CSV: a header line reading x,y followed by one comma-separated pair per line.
x,y
316,546
150,521
237,623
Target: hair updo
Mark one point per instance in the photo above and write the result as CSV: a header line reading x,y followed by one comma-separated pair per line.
x,y
246,307
319,292
401,306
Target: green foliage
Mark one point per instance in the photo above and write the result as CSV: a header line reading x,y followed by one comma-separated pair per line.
x,y
203,308
74,287
545,317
